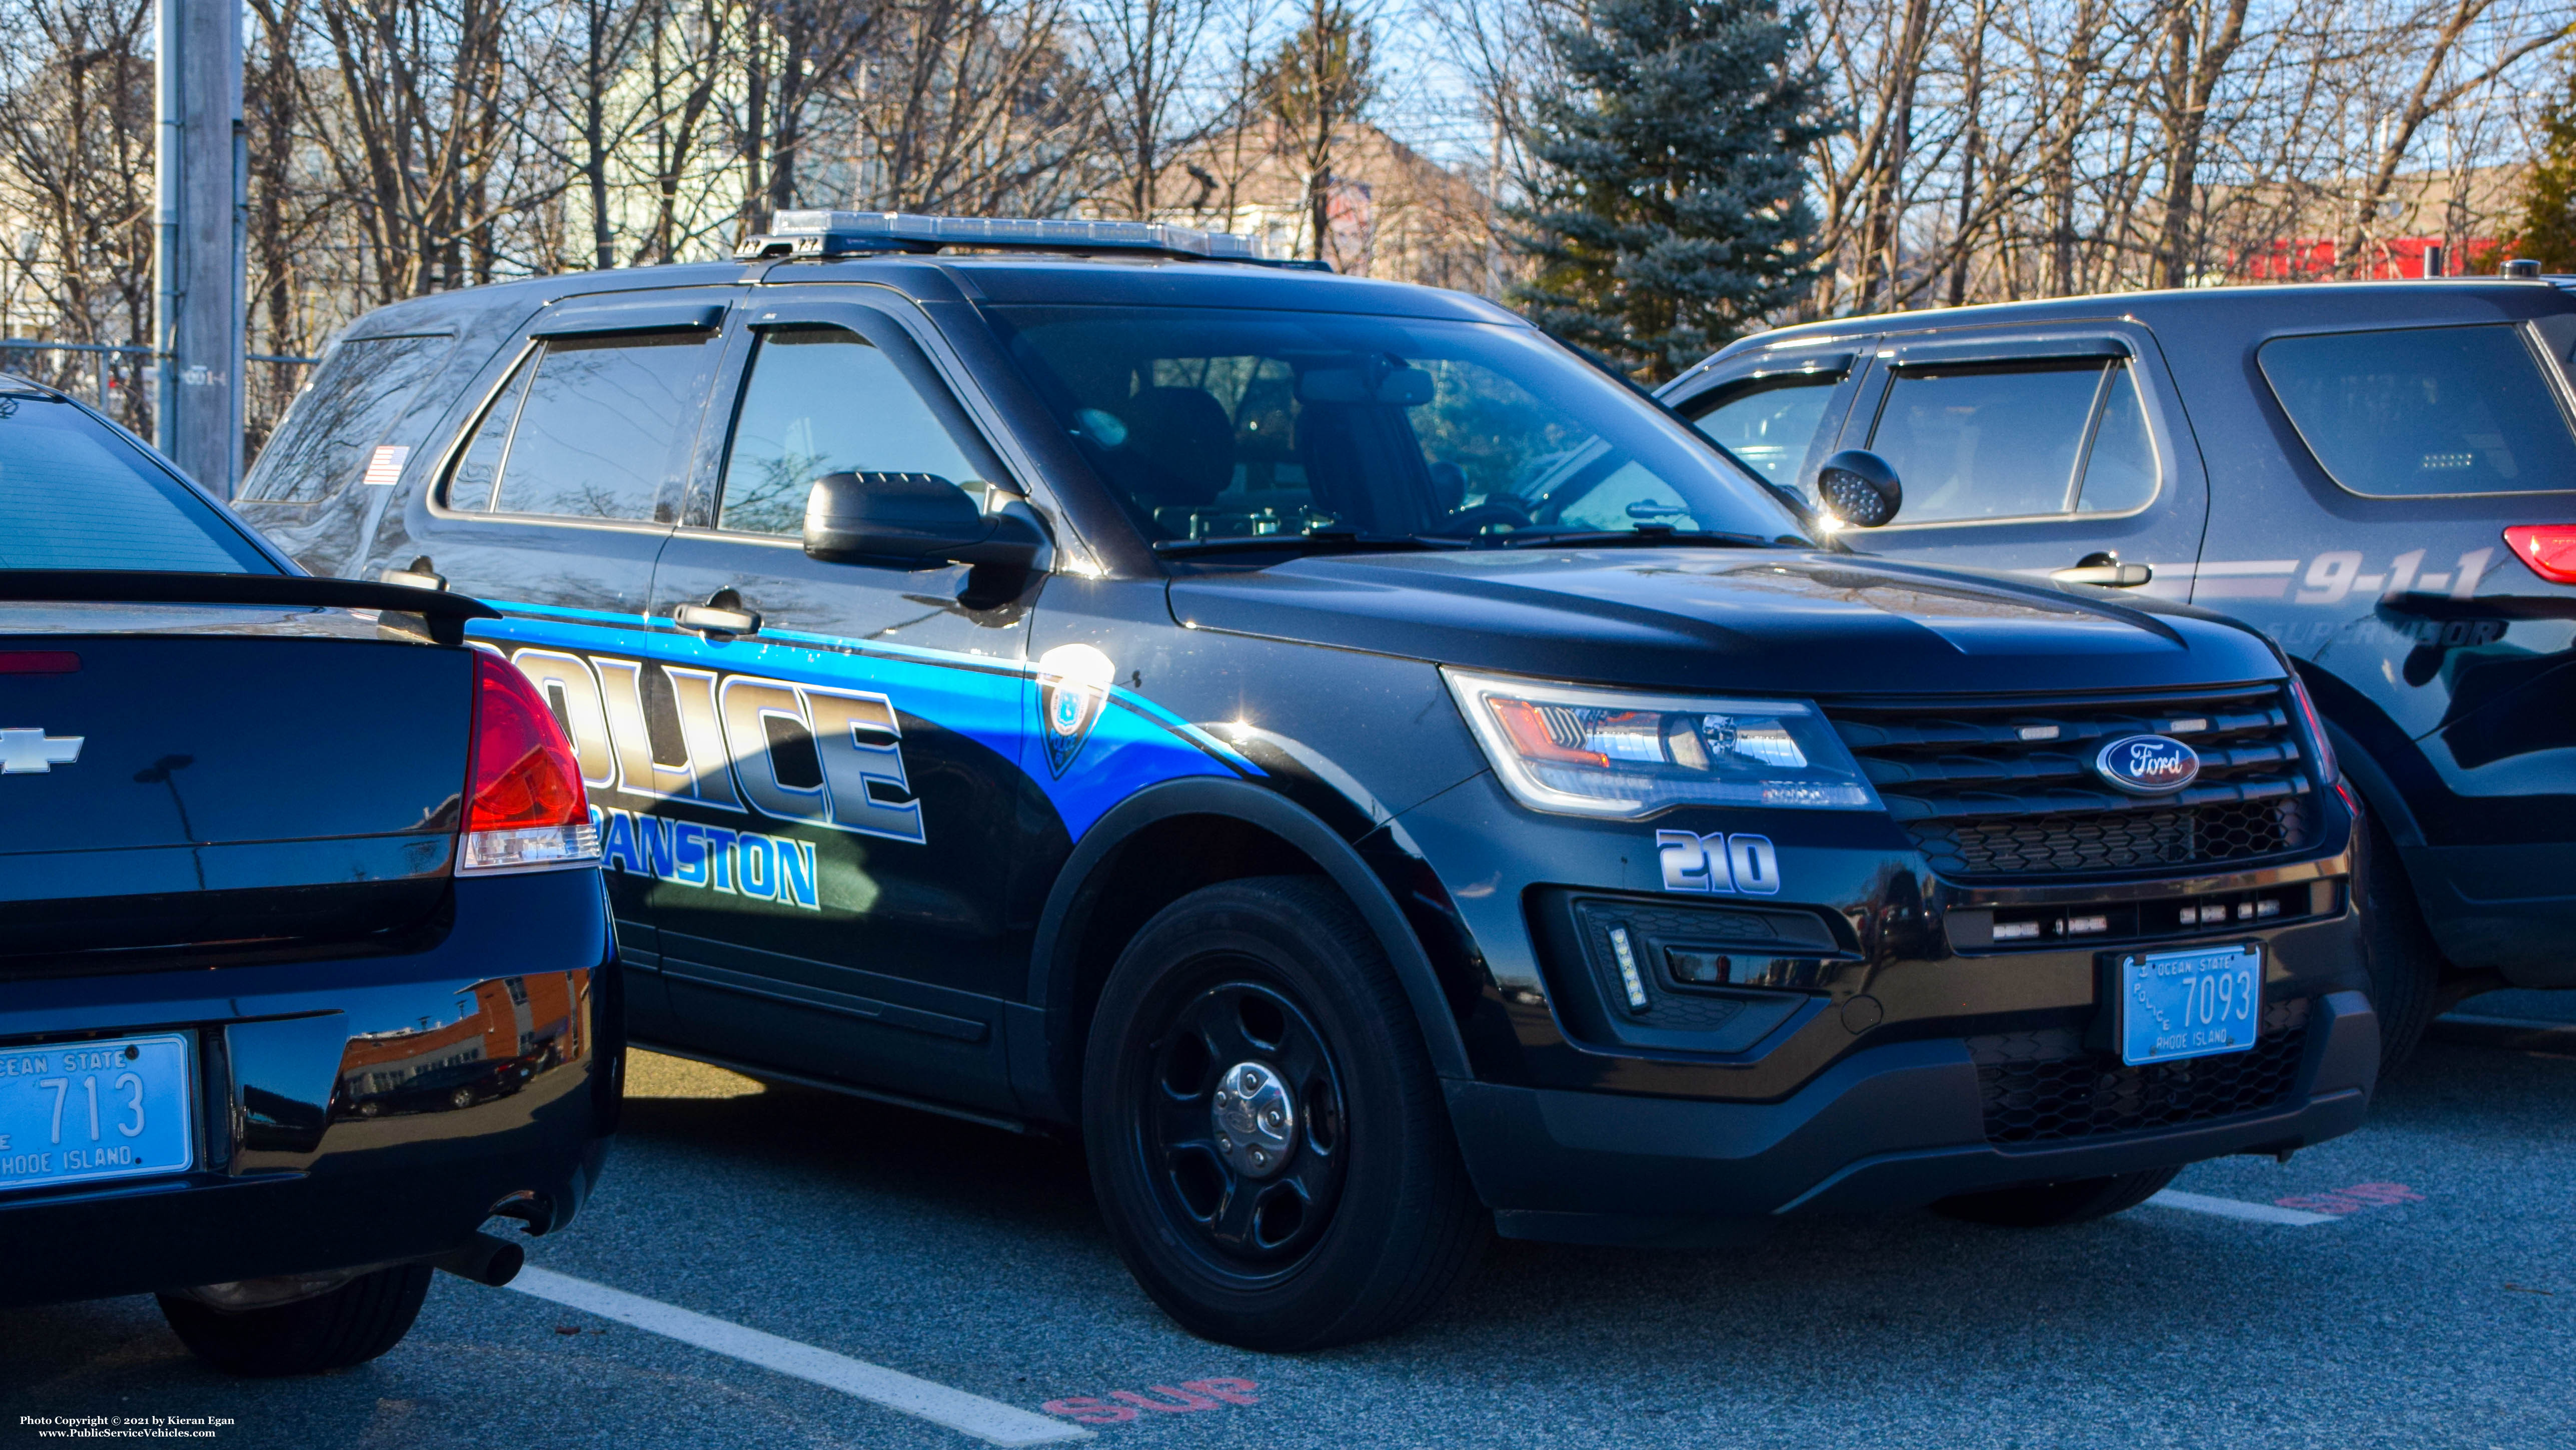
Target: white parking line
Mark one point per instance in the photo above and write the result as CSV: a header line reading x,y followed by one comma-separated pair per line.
x,y
2238,1208
987,1420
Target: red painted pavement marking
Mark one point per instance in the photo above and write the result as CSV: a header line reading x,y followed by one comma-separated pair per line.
x,y
2350,1200
1188,1398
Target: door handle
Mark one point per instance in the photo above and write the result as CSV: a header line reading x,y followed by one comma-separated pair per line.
x,y
713,619
2105,570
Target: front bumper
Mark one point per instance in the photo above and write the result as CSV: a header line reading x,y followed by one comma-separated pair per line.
x,y
351,1111
1888,1127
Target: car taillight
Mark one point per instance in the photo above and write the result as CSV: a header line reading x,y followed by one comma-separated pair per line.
x,y
2327,769
2550,549
524,805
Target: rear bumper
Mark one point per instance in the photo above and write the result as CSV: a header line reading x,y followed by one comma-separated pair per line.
x,y
2504,909
349,1112
1890,1127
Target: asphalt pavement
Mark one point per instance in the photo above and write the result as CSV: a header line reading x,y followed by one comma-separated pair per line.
x,y
2411,1285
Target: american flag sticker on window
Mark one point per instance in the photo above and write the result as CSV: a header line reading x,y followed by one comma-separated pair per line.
x,y
384,466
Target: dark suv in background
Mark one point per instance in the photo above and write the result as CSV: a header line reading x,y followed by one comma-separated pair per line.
x,y
2379,476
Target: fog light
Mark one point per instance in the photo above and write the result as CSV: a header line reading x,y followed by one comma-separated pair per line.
x,y
1628,977
1713,969
1699,969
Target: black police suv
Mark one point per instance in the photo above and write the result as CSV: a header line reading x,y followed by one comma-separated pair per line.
x,y
1359,763
2379,476
305,969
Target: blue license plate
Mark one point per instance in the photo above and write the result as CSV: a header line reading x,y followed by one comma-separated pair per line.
x,y
2198,1003
75,1112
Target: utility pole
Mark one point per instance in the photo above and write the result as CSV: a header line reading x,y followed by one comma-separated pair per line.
x,y
197,264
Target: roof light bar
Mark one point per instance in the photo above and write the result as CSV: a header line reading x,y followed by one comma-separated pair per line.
x,y
840,233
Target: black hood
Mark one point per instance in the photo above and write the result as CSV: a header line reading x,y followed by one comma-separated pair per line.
x,y
1763,620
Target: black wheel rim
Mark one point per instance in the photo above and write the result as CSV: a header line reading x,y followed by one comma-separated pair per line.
x,y
1242,1225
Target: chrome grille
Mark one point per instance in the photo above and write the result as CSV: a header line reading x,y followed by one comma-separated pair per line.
x,y
2005,787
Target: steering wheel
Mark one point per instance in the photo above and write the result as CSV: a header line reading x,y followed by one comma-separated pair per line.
x,y
1476,518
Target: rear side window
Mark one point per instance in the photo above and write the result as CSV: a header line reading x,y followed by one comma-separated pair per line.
x,y
1973,442
335,428
74,495
2427,411
588,428
1770,423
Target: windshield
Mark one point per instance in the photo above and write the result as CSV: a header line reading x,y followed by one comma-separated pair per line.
x,y
1213,425
75,495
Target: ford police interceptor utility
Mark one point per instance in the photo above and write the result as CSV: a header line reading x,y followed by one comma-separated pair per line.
x,y
1371,772
2380,476
305,970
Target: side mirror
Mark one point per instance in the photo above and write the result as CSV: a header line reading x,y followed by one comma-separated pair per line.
x,y
1860,488
911,520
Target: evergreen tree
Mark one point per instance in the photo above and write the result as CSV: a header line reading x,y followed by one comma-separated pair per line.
x,y
1672,213
2547,233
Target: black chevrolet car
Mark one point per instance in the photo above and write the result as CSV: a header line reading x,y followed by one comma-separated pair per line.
x,y
305,970
1369,772
2379,476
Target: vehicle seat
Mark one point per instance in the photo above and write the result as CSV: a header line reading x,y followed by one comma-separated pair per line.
x,y
1180,448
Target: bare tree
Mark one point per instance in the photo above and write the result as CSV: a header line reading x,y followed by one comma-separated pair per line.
x,y
970,106
76,152
1154,104
1319,83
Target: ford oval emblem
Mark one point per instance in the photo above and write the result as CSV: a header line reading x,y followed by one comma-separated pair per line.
x,y
2147,764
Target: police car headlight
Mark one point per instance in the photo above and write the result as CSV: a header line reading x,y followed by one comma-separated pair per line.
x,y
1588,752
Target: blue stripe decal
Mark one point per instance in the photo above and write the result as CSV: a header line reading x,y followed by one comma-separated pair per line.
x,y
989,700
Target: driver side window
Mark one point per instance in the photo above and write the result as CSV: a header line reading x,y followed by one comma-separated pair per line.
x,y
825,400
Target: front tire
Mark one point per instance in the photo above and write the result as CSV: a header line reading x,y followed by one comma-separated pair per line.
x,y
349,1325
1267,1140
2405,965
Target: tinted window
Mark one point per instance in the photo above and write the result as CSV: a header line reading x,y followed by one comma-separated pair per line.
x,y
2120,468
74,495
1218,425
1769,424
823,400
1985,441
469,487
363,386
590,431
2424,410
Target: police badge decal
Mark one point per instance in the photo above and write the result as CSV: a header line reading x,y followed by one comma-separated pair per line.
x,y
1073,685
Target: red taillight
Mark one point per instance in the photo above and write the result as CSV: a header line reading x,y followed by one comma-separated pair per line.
x,y
2550,549
524,804
38,662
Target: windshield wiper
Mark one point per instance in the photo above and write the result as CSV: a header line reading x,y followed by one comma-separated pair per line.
x,y
1320,541
1643,536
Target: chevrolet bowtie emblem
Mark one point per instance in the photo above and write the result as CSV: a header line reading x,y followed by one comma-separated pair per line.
x,y
31,752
